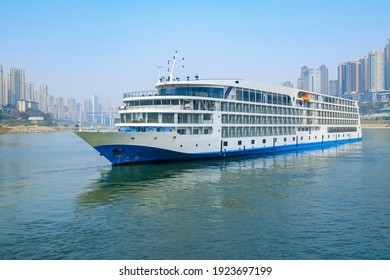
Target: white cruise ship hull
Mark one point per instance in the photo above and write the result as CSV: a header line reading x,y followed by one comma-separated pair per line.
x,y
126,148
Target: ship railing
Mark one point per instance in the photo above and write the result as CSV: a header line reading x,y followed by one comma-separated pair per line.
x,y
140,93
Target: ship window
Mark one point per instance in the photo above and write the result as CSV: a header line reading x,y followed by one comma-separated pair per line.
x,y
252,95
246,95
225,143
146,102
264,141
152,118
193,91
207,131
239,94
168,117
253,142
239,142
206,117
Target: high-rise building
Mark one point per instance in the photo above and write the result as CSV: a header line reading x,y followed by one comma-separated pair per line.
x,y
43,98
363,74
5,91
324,79
29,91
71,109
387,66
376,64
341,74
300,79
60,106
51,107
352,77
303,70
348,77
312,80
334,87
95,107
16,85
1,86
86,108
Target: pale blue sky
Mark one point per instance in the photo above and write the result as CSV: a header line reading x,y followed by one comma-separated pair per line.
x,y
80,48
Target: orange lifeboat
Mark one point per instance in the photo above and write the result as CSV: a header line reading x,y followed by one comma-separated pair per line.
x,y
305,98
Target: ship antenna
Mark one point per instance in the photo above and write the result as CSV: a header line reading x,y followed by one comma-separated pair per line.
x,y
159,78
171,77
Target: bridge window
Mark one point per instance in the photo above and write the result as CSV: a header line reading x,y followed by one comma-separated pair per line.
x,y
193,91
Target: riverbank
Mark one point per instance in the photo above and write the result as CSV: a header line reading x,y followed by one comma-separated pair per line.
x,y
5,129
375,125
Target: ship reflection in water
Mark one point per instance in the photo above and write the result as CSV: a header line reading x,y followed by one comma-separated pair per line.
x,y
157,179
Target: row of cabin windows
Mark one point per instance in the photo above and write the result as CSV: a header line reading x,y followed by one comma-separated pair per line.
x,y
242,107
253,141
275,140
331,107
333,100
264,109
203,105
152,102
229,132
167,118
254,120
244,94
259,109
246,119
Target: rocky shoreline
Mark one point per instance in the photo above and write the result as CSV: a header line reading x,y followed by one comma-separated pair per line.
x,y
4,129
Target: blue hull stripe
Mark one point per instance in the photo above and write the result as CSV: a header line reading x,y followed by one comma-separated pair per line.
x,y
123,154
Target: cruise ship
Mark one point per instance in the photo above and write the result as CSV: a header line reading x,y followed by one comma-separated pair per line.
x,y
196,119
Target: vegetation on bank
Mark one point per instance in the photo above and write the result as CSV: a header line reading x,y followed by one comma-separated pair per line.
x,y
12,117
371,108
13,121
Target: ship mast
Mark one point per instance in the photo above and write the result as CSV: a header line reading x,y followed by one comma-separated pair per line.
x,y
171,77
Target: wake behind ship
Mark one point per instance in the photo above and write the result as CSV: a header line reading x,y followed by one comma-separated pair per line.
x,y
222,118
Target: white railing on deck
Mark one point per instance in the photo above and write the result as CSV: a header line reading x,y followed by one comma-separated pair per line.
x,y
140,93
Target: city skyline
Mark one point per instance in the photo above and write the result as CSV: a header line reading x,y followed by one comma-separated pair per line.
x,y
17,93
360,79
107,48
368,74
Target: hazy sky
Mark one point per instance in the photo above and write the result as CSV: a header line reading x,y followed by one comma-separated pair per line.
x,y
80,48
